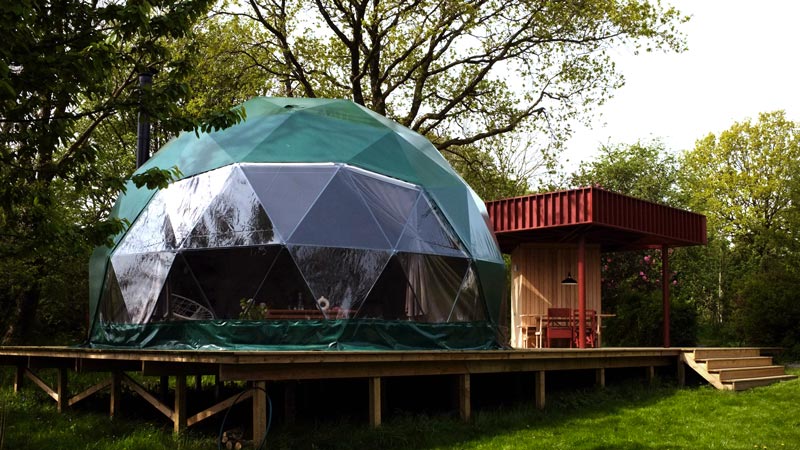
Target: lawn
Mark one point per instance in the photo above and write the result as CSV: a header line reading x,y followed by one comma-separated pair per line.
x,y
624,416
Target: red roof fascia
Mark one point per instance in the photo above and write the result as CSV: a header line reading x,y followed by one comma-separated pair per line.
x,y
596,208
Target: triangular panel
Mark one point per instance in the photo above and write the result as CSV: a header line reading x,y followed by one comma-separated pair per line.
x,y
181,298
288,194
426,232
484,242
187,200
239,140
230,277
141,277
392,297
303,137
388,156
435,281
151,232
469,305
340,218
112,304
340,277
284,287
234,218
391,202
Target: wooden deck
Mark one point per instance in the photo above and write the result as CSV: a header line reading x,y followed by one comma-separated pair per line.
x,y
259,368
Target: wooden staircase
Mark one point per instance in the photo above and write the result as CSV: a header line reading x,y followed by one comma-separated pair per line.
x,y
734,369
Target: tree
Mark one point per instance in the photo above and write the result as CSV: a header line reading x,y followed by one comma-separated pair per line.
x,y
644,170
460,72
743,181
66,71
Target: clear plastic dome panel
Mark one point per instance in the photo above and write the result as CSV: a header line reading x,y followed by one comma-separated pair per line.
x,y
288,194
187,200
340,218
390,203
339,278
151,232
140,278
434,284
234,218
426,232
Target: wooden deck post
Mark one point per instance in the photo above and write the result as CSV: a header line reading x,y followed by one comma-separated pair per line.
x,y
681,373
259,411
217,387
116,394
19,378
179,412
62,389
539,388
375,402
651,374
600,377
198,383
464,397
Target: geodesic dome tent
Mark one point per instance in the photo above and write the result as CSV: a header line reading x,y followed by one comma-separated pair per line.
x,y
313,224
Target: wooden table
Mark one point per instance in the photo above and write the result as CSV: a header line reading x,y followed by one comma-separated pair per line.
x,y
541,319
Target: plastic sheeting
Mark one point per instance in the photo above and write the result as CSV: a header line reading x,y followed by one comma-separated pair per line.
x,y
308,205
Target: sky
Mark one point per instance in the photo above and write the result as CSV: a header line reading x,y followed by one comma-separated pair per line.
x,y
743,59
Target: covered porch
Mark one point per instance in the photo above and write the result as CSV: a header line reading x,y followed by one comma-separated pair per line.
x,y
555,240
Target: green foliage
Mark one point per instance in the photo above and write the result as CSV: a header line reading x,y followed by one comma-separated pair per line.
x,y
742,180
68,81
644,170
464,73
639,321
768,310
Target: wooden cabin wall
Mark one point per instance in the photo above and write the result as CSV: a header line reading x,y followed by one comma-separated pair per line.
x,y
537,271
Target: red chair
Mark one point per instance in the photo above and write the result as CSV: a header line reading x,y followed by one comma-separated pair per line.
x,y
559,325
590,325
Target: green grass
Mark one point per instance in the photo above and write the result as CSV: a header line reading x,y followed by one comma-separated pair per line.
x,y
628,416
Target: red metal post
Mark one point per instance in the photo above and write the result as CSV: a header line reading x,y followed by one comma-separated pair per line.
x,y
582,293
665,290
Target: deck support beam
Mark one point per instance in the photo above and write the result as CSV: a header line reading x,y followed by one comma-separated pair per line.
x,y
19,378
259,411
464,397
374,402
538,381
179,412
600,378
62,389
681,373
651,374
116,394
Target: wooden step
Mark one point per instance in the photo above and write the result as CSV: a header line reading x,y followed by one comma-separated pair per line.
x,y
747,383
749,373
730,363
701,354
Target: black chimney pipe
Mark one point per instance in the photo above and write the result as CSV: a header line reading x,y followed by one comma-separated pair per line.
x,y
143,130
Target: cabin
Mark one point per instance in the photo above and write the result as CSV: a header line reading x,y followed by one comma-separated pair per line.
x,y
556,239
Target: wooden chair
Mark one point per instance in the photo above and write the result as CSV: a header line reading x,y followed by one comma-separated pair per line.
x,y
559,325
590,325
